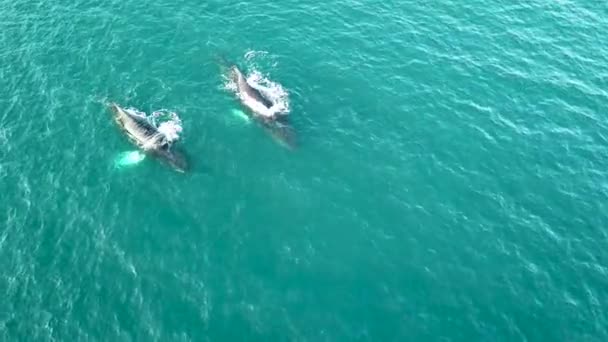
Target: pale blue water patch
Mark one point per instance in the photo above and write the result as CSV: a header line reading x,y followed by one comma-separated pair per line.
x,y
449,181
129,158
240,116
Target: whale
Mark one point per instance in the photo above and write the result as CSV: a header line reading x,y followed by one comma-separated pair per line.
x,y
148,138
249,95
260,108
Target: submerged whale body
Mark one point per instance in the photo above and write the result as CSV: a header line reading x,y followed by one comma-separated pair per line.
x,y
147,137
281,132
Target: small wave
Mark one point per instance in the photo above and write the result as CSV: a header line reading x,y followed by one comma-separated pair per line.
x,y
252,54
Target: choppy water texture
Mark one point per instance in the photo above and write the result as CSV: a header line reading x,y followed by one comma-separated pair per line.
x,y
450,181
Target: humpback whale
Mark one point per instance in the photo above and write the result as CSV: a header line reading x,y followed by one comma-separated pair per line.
x,y
147,137
251,97
262,109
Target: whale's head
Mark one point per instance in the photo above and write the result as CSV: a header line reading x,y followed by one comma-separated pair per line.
x,y
114,108
174,157
235,74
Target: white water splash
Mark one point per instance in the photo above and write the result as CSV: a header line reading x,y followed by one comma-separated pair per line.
x,y
167,123
272,91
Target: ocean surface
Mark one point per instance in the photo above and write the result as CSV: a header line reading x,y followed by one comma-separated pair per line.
x,y
450,180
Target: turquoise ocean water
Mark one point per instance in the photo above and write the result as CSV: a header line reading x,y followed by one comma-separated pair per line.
x,y
450,181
